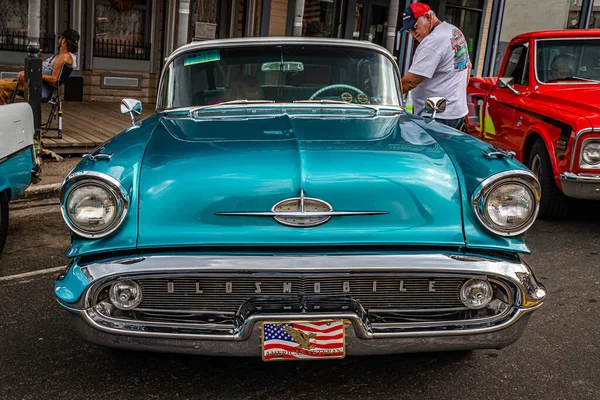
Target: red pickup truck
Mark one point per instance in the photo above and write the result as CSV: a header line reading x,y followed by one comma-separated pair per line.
x,y
545,108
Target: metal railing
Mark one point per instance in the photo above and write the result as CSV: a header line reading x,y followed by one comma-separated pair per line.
x,y
17,41
123,49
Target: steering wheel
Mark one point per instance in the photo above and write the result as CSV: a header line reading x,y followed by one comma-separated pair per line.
x,y
340,86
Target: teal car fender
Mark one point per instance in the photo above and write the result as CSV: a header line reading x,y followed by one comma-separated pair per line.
x,y
472,168
123,156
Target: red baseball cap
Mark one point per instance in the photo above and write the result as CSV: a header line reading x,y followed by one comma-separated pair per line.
x,y
412,14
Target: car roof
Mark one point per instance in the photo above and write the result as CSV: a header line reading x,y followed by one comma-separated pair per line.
x,y
285,40
565,33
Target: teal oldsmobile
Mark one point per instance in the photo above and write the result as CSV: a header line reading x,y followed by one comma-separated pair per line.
x,y
282,187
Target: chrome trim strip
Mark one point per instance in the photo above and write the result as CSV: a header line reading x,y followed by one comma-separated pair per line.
x,y
300,214
588,178
482,191
77,179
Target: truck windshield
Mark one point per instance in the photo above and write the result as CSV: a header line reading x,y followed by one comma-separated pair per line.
x,y
568,60
279,74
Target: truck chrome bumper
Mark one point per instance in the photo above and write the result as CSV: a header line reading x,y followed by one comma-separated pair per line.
x,y
242,337
581,186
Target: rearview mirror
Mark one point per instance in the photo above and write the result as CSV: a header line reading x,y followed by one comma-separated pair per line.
x,y
287,66
132,107
508,82
434,105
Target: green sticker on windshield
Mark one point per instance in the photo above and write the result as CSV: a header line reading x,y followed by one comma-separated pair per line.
x,y
202,57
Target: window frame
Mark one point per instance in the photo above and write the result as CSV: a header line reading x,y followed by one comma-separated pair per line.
x,y
525,75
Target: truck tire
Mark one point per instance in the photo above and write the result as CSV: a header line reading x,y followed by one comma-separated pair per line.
x,y
3,219
553,204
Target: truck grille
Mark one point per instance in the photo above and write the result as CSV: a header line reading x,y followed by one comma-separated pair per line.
x,y
225,294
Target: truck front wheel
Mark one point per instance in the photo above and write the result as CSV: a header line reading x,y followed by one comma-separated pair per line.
x,y
554,203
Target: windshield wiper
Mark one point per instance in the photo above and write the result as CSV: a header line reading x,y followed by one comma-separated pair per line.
x,y
230,103
568,78
323,101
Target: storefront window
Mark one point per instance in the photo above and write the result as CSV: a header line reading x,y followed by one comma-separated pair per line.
x,y
13,26
322,18
122,29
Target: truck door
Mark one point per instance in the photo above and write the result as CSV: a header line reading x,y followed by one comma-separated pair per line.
x,y
502,124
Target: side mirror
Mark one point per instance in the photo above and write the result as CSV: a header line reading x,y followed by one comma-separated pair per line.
x,y
508,82
434,105
132,107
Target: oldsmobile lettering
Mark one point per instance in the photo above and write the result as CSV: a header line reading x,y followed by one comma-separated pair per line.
x,y
344,287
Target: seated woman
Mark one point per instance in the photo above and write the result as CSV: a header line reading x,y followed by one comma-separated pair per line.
x,y
67,47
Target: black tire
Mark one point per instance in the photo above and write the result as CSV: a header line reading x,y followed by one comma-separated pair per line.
x,y
554,203
3,219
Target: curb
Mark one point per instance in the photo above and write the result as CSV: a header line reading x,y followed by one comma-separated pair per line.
x,y
40,192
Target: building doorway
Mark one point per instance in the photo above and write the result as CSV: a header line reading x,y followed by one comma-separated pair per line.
x,y
371,21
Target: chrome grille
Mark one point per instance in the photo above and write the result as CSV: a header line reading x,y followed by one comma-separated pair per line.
x,y
226,293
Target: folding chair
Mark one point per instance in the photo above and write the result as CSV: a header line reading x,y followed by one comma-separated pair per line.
x,y
51,94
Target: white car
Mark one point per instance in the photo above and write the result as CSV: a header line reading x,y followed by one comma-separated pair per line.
x,y
18,163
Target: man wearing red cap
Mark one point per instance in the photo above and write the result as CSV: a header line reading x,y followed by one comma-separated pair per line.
x,y
441,65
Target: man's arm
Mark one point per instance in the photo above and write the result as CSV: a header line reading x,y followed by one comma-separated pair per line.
x,y
410,81
58,63
469,67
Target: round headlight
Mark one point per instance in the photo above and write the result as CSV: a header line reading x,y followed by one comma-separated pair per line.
x,y
591,153
125,295
510,205
92,208
507,203
476,293
93,204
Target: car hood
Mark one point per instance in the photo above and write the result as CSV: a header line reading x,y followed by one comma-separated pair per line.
x,y
194,168
578,99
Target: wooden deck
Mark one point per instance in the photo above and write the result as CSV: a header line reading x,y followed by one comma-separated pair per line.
x,y
87,125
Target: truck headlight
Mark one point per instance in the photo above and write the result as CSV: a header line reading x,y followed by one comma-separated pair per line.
x,y
508,203
93,204
590,153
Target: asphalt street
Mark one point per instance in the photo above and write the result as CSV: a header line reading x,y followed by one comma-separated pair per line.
x,y
558,357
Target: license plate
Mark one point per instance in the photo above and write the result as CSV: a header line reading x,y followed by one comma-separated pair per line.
x,y
303,340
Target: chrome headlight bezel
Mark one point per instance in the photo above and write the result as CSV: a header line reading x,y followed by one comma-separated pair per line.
x,y
106,182
481,195
582,162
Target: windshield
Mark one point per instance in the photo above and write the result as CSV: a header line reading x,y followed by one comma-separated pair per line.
x,y
568,60
280,74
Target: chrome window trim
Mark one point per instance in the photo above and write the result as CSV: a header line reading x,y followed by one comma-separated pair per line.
x,y
535,70
105,181
481,193
582,163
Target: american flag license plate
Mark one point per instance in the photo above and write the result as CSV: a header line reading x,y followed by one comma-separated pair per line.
x,y
303,340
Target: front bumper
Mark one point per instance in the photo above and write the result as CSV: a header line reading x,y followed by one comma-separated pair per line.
x,y
581,186
75,291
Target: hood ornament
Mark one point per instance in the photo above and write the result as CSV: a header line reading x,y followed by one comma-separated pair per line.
x,y
301,212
